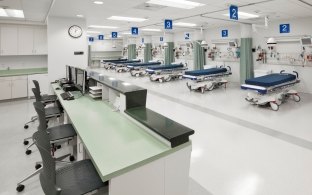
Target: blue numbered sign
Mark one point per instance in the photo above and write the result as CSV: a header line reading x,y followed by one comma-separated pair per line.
x,y
168,24
114,35
101,37
134,31
187,36
225,33
285,28
91,39
233,12
161,39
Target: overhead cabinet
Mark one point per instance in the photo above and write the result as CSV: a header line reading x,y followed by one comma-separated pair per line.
x,y
23,40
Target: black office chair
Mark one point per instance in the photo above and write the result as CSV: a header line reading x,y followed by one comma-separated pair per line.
x,y
46,99
74,179
57,134
50,112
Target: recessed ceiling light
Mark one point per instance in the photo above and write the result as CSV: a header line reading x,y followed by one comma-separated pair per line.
x,y
184,24
98,2
244,15
93,32
14,13
105,27
79,16
128,19
183,4
126,33
151,29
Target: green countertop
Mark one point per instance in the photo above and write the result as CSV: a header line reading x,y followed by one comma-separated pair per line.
x,y
21,72
115,144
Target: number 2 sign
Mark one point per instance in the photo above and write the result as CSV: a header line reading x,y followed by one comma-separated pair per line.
x,y
233,12
285,28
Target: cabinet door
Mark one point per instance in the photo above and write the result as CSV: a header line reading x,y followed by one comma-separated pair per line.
x,y
5,88
40,41
19,87
9,40
25,41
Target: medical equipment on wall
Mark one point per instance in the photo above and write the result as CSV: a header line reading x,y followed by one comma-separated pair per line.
x,y
207,79
272,89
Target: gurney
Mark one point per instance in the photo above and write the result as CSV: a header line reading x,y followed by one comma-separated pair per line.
x,y
272,89
117,60
114,65
166,72
139,68
207,79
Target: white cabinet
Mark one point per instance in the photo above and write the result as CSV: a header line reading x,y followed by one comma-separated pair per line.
x,y
5,87
43,82
19,87
13,87
32,41
9,40
25,41
40,41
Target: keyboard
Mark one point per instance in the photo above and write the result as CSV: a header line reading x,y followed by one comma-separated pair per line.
x,y
67,96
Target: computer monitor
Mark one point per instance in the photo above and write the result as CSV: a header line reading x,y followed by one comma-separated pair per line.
x,y
73,73
68,73
306,41
80,80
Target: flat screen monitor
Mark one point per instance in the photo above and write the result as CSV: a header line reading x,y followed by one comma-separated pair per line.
x,y
306,41
73,73
68,73
80,79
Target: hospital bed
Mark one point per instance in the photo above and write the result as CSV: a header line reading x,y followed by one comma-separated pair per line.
x,y
117,60
207,79
114,65
272,89
139,68
166,73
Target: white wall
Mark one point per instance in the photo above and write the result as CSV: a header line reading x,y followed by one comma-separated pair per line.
x,y
21,62
61,46
213,34
298,27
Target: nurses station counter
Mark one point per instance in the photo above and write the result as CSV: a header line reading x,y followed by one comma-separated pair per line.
x,y
138,151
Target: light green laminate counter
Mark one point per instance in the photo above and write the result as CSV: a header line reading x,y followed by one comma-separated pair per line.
x,y
115,144
21,72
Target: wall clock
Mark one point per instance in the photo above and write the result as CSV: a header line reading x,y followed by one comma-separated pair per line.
x,y
75,31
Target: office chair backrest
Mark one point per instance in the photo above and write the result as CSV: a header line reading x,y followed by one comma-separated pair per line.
x,y
37,86
37,94
39,107
48,175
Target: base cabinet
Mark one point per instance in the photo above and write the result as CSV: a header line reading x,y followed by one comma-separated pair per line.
x,y
13,87
5,87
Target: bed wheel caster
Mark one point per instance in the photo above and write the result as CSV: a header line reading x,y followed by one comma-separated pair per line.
x,y
71,158
161,80
202,90
274,106
58,147
137,75
20,188
297,98
26,126
38,166
28,152
26,142
188,86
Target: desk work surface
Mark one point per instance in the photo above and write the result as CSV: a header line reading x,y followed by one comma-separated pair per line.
x,y
115,144
118,85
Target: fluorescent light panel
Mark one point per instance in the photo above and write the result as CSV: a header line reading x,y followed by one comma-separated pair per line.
x,y
244,15
126,33
184,24
98,2
13,13
93,32
183,4
128,19
151,29
104,27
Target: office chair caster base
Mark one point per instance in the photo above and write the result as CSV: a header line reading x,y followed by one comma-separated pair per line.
x,y
38,166
71,158
26,126
20,188
28,152
58,147
26,142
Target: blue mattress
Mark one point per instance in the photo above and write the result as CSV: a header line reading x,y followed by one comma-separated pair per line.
x,y
144,64
127,62
209,71
271,80
164,67
119,60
